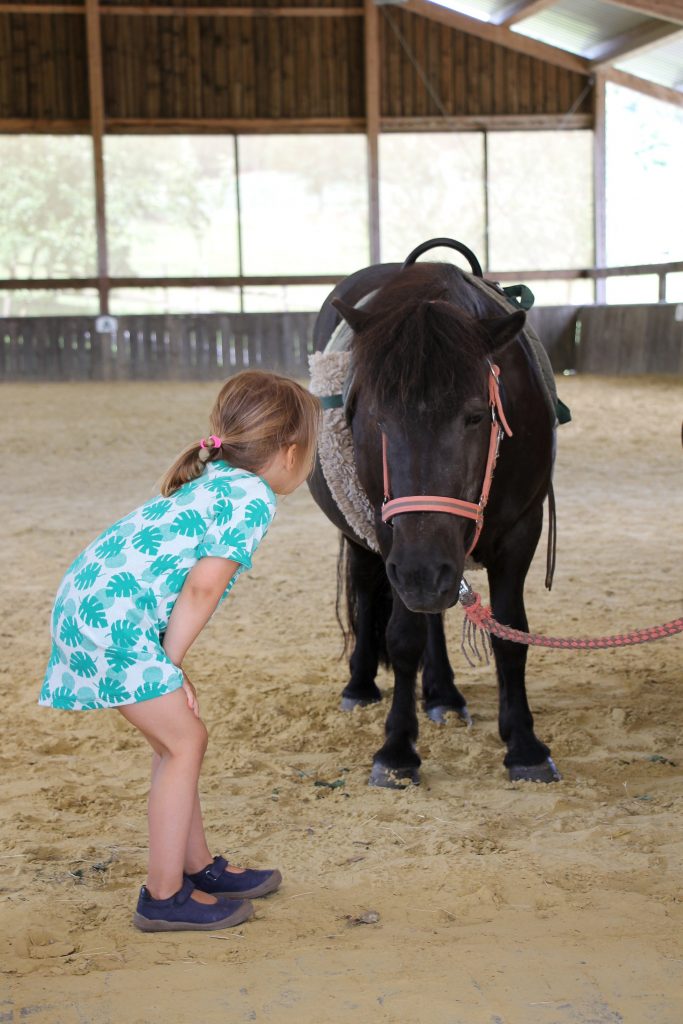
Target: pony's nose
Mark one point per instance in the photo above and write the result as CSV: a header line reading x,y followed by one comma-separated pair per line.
x,y
437,580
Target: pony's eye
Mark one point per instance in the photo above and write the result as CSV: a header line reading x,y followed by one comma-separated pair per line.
x,y
473,419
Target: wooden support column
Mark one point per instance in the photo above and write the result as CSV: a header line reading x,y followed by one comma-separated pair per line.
x,y
96,97
372,118
599,185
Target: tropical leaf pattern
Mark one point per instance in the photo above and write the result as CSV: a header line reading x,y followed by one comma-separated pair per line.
x,y
123,584
148,540
222,512
116,598
157,510
124,633
164,563
257,513
175,580
111,547
86,578
70,633
82,664
92,612
190,523
119,658
149,690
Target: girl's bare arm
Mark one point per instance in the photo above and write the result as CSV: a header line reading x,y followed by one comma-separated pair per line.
x,y
196,603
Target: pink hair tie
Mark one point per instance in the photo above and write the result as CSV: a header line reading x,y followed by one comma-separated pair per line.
x,y
216,442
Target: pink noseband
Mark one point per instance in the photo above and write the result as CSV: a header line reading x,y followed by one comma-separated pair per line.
x,y
454,506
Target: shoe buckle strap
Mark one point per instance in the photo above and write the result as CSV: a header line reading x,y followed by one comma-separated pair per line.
x,y
217,868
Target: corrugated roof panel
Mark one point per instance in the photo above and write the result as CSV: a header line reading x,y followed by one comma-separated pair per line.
x,y
480,9
662,64
578,25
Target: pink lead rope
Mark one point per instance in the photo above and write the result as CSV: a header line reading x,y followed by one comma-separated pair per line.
x,y
455,506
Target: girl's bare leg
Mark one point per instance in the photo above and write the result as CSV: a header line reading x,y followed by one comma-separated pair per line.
x,y
197,854
179,739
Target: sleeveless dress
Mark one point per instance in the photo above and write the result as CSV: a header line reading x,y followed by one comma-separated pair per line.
x,y
114,603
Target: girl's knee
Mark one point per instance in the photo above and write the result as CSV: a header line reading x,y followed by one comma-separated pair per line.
x,y
190,742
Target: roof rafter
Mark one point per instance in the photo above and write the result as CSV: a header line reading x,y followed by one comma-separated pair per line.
x,y
497,34
658,92
634,42
518,10
667,10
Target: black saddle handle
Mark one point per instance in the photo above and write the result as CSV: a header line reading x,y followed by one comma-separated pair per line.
x,y
448,243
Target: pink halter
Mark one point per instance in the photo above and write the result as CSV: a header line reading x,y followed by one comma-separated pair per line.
x,y
454,506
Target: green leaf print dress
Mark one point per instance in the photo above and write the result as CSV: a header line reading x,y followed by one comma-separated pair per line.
x,y
116,598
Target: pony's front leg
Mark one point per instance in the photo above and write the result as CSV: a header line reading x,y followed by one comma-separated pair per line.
x,y
438,680
527,758
398,760
369,607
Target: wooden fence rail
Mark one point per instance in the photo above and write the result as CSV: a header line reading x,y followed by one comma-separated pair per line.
x,y
161,347
590,339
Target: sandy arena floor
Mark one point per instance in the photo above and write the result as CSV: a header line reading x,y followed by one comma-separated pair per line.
x,y
497,903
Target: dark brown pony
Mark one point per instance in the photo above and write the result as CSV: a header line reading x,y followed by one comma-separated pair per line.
x,y
420,358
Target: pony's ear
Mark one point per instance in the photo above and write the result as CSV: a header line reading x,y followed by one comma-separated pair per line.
x,y
500,330
357,319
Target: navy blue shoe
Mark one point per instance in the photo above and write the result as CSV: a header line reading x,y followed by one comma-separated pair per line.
x,y
246,885
179,913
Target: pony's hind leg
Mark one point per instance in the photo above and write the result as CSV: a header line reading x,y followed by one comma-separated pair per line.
x,y
438,680
368,608
397,761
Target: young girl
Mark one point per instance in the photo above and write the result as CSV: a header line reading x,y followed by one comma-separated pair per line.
x,y
134,601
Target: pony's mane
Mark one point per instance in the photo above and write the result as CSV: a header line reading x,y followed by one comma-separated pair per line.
x,y
420,350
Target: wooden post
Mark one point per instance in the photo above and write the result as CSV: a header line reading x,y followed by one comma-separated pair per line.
x,y
96,96
487,211
599,185
238,204
372,122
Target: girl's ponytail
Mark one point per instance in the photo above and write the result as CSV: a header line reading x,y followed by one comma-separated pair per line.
x,y
188,466
254,415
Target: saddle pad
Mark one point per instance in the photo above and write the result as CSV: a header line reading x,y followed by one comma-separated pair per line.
x,y
329,370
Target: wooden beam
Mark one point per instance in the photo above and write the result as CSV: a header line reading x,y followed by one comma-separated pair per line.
x,y
42,126
58,283
668,10
228,125
372,128
96,97
572,274
154,11
658,92
633,43
519,10
497,34
42,9
233,12
488,122
599,185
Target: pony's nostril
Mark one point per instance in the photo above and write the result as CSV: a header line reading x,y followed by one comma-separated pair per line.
x,y
445,579
392,573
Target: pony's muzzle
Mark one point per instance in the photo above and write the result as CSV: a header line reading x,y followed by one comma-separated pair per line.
x,y
424,587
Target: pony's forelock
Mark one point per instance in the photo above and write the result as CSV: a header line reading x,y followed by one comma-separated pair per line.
x,y
420,353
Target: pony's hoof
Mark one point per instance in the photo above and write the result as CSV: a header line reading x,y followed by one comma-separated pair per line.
x,y
349,703
544,772
393,778
438,714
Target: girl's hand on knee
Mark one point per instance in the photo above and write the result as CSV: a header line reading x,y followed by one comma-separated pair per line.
x,y
191,694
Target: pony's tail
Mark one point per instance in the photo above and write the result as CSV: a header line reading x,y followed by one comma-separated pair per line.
x,y
188,466
381,602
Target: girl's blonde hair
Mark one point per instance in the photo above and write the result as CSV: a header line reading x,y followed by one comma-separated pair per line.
x,y
255,414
